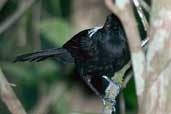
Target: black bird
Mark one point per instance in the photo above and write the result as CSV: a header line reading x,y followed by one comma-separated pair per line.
x,y
98,52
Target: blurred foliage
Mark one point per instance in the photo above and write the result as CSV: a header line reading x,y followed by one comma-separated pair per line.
x,y
54,30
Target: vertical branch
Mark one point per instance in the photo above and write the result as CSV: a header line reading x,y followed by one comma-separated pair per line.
x,y
8,96
124,10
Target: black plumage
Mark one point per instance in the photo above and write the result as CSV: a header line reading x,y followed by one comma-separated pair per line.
x,y
96,52
104,53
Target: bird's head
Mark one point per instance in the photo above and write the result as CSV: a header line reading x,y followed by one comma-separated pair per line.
x,y
112,21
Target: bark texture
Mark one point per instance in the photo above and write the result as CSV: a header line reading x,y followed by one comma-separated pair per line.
x,y
157,91
8,96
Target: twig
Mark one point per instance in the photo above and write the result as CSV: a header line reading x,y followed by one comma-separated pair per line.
x,y
13,18
145,6
8,96
120,74
141,14
126,80
122,104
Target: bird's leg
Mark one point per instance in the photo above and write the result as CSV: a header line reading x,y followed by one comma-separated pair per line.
x,y
88,81
111,92
107,99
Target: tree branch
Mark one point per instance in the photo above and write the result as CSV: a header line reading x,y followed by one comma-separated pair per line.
x,y
8,96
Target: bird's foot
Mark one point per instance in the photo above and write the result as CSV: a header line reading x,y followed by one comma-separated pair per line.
x,y
111,93
113,86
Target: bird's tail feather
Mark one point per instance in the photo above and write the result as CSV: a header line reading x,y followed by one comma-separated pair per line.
x,y
41,55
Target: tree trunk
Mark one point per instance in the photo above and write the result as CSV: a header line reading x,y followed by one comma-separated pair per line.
x,y
156,98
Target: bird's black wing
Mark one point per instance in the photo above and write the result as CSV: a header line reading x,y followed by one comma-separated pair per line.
x,y
81,46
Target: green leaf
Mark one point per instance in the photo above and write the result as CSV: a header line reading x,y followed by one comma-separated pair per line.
x,y
56,31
